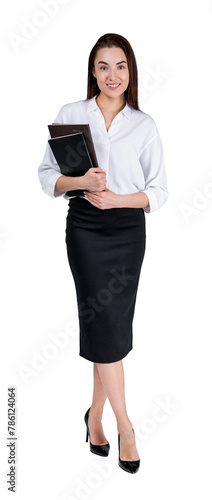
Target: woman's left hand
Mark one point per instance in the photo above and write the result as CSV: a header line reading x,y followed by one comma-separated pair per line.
x,y
103,199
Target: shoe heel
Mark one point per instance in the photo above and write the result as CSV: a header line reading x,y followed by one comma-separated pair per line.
x,y
101,450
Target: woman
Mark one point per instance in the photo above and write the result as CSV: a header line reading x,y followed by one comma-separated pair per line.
x,y
105,228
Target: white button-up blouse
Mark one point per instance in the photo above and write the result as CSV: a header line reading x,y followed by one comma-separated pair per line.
x,y
130,152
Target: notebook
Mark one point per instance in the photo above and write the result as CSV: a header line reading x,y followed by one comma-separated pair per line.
x,y
73,148
59,129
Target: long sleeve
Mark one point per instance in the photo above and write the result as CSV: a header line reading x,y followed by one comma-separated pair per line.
x,y
49,171
152,163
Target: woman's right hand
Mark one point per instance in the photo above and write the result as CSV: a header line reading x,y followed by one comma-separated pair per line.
x,y
94,179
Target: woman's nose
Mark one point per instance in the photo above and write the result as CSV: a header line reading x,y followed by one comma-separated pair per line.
x,y
112,75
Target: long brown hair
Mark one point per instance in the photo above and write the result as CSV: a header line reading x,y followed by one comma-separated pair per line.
x,y
114,40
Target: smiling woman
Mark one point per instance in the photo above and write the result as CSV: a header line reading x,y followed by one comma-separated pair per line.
x,y
112,77
105,229
124,62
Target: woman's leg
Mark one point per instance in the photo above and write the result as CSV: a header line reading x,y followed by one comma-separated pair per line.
x,y
112,379
97,436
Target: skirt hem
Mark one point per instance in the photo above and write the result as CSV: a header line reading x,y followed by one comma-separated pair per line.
x,y
106,362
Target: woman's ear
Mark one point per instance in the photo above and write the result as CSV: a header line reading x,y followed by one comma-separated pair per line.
x,y
93,72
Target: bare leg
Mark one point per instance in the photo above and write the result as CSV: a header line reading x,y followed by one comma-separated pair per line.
x,y
112,378
95,415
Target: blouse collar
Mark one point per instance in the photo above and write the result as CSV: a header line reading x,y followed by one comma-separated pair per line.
x,y
93,106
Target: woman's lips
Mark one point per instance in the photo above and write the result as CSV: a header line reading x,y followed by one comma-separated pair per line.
x,y
113,88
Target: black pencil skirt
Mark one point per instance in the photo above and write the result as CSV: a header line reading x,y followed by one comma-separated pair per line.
x,y
105,251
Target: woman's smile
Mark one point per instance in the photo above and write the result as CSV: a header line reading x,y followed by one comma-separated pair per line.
x,y
113,86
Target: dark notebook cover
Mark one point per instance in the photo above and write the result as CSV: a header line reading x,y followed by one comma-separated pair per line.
x,y
60,129
72,155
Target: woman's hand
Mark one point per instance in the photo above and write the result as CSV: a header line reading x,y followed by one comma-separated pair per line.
x,y
103,199
94,179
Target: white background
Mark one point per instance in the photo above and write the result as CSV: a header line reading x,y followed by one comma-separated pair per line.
x,y
171,358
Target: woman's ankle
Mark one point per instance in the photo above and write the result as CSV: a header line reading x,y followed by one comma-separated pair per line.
x,y
124,427
96,411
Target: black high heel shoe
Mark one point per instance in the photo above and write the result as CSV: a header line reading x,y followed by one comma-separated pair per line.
x,y
131,466
101,450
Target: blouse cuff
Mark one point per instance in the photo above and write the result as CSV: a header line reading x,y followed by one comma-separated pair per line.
x,y
153,205
50,186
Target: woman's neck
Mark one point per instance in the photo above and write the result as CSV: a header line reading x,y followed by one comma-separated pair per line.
x,y
112,105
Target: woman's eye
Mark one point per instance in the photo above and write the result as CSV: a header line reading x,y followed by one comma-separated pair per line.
x,y
104,67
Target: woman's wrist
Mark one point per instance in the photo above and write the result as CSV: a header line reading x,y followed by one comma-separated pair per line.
x,y
135,200
65,183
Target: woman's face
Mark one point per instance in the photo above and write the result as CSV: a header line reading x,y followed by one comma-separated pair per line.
x,y
111,71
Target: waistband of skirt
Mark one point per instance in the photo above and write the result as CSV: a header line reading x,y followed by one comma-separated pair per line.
x,y
81,202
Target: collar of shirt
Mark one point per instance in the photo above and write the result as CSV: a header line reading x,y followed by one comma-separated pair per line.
x,y
93,106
